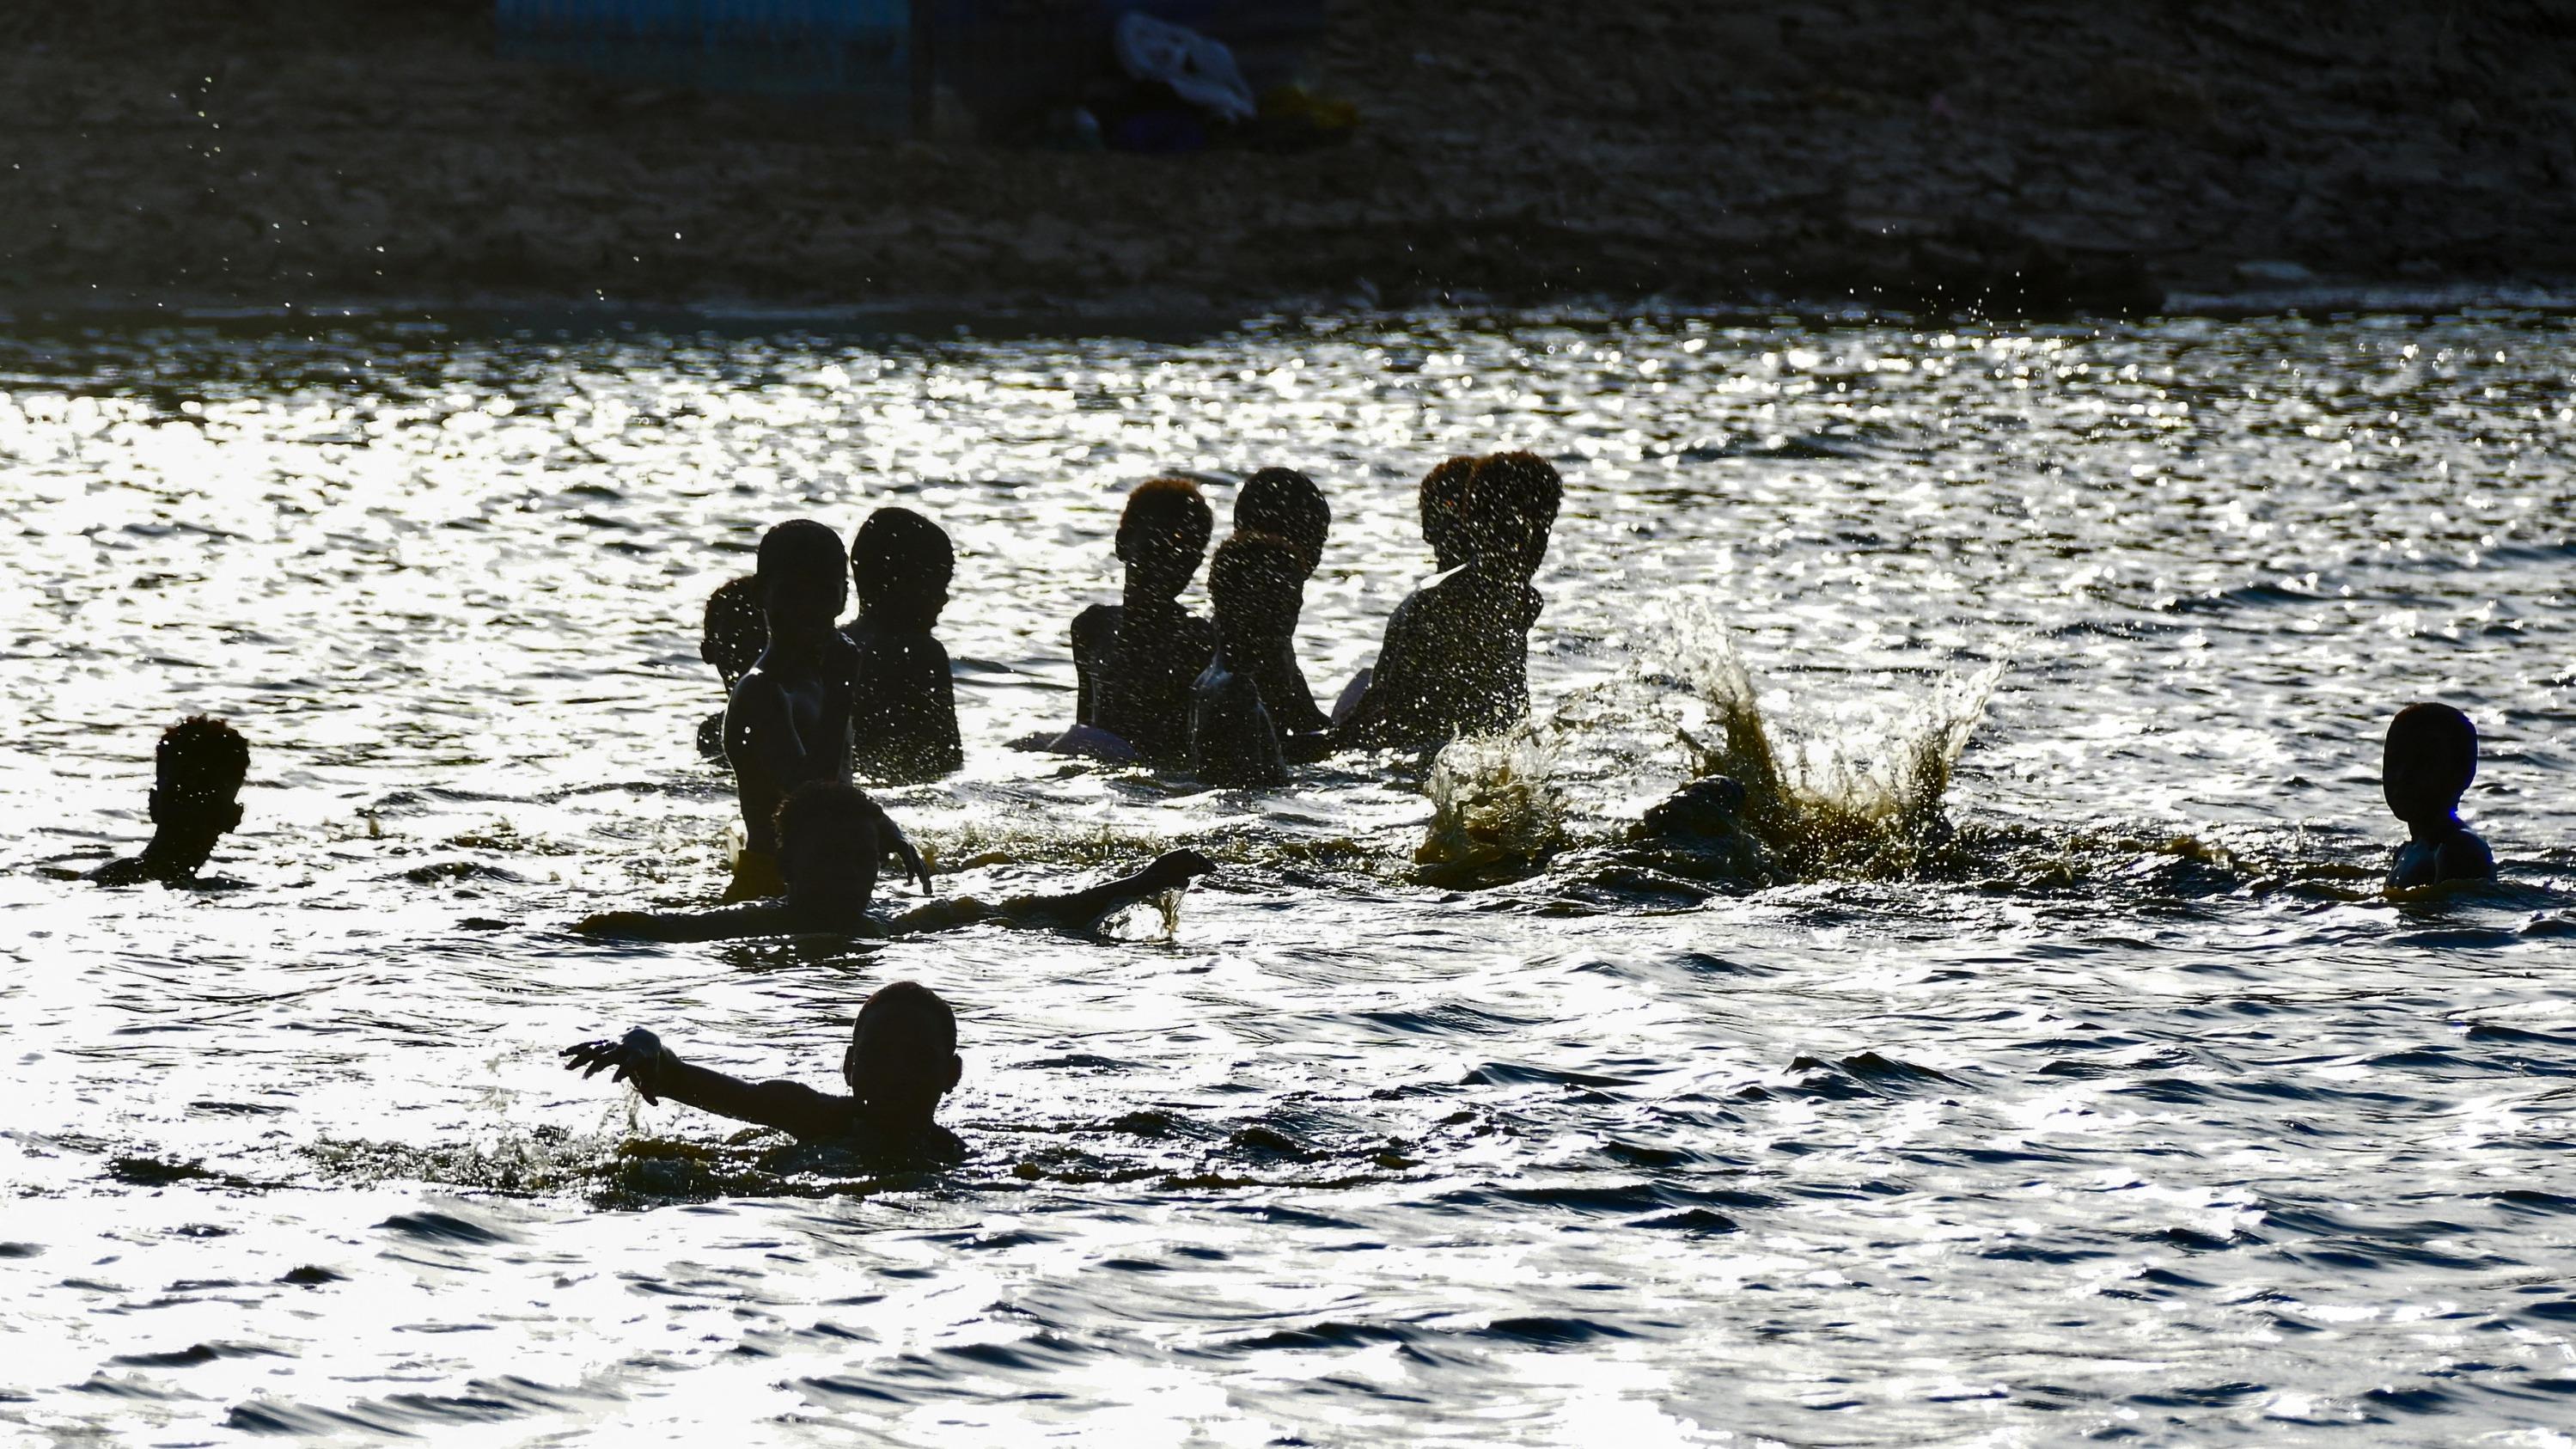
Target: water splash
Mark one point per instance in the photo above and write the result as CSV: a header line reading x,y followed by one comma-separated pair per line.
x,y
1496,806
1854,793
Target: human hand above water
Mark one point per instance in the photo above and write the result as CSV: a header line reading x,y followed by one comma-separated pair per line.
x,y
638,1057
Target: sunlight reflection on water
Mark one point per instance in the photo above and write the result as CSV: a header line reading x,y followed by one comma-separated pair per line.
x,y
2131,1107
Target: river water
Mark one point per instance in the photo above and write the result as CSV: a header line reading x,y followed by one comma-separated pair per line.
x,y
2121,1106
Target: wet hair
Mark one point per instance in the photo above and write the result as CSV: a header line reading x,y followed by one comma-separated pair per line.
x,y
1443,489
734,632
927,1025
798,546
900,557
2440,736
200,761
1522,485
829,808
1285,503
1253,574
1171,506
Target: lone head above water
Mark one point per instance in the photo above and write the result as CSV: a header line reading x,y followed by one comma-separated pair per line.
x,y
2429,762
1162,535
901,565
902,1056
1286,504
197,773
800,576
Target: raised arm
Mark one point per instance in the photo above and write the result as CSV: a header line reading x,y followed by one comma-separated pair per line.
x,y
640,1058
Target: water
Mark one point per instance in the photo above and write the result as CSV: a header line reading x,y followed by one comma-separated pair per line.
x,y
2098,1094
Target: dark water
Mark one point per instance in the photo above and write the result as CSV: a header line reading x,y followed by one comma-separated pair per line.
x,y
2131,1111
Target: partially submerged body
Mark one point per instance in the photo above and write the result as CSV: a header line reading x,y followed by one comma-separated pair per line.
x,y
198,768
903,709
1455,658
831,837
789,721
1134,661
901,1060
2429,762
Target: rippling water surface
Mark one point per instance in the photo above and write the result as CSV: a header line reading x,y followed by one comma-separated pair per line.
x,y
2129,1109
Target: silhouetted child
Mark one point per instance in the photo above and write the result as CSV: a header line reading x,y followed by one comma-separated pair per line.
x,y
1134,661
1455,659
1436,501
901,1060
731,640
197,772
831,836
1234,735
1284,504
903,715
2431,757
789,721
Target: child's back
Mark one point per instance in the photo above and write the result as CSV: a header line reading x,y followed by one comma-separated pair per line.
x,y
903,707
1455,659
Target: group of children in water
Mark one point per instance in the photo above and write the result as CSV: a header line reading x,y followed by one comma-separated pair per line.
x,y
812,704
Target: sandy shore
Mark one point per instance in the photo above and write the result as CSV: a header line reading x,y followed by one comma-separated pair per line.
x,y
2022,158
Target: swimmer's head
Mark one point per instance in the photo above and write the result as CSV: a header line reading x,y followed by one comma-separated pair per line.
x,y
1254,584
1286,504
1163,534
734,633
902,1056
1711,806
1508,507
828,843
197,776
800,574
2431,757
900,564
1444,488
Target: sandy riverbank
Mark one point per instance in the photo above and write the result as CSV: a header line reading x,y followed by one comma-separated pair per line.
x,y
2022,157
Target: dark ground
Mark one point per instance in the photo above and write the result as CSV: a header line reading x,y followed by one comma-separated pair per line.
x,y
2021,156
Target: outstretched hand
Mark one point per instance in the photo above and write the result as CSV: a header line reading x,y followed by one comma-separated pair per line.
x,y
637,1057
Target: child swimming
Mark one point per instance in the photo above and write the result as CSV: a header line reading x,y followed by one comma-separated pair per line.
x,y
789,721
1284,504
1456,654
903,713
197,772
730,639
2430,758
1234,736
830,837
1134,661
901,1060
